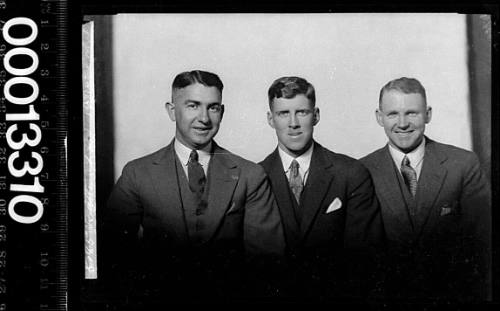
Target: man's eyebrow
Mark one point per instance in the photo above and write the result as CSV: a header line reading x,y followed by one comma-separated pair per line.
x,y
197,102
389,111
191,101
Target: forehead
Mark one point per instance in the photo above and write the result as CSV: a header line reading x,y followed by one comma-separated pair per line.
x,y
300,101
398,100
197,92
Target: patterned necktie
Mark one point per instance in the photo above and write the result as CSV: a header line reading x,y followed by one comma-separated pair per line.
x,y
196,175
295,181
409,175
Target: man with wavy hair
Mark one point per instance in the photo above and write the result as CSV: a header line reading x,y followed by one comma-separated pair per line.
x,y
327,202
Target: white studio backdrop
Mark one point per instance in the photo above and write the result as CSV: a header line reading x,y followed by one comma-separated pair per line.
x,y
347,57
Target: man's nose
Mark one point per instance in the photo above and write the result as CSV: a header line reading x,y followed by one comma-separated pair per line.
x,y
294,121
203,116
403,121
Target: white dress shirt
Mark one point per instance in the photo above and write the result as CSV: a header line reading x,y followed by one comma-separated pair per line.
x,y
304,161
416,157
183,153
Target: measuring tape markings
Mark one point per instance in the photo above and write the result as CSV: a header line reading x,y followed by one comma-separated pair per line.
x,y
33,168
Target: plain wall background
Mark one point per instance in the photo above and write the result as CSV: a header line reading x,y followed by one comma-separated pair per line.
x,y
347,57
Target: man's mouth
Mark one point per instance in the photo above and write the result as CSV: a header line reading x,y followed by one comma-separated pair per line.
x,y
201,129
404,133
294,134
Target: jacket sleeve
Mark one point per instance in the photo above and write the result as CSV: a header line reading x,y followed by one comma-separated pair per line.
x,y
263,231
364,237
363,227
475,204
121,221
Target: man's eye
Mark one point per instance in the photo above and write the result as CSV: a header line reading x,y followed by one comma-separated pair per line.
x,y
391,115
303,113
412,114
282,114
215,108
192,106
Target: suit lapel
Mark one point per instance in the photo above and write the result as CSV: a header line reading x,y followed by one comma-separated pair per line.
x,y
280,187
316,188
164,177
223,175
389,192
429,185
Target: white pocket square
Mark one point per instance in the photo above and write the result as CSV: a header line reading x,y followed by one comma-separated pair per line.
x,y
335,205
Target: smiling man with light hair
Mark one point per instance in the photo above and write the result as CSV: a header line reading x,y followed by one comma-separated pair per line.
x,y
435,202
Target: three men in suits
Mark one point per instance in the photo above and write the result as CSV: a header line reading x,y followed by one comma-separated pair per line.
x,y
190,213
435,204
327,202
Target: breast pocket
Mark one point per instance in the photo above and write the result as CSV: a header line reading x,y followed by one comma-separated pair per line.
x,y
335,206
449,209
234,209
450,219
232,225
234,215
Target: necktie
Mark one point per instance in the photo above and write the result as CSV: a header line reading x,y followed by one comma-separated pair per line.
x,y
295,181
409,175
196,175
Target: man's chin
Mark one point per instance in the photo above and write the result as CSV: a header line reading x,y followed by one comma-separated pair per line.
x,y
406,147
200,144
297,150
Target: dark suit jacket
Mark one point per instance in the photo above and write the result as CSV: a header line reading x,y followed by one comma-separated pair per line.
x,y
329,242
443,251
145,227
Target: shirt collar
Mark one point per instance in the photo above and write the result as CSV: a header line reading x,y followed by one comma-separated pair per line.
x,y
183,153
304,159
415,156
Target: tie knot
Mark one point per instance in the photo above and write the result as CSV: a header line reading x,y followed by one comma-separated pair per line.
x,y
406,161
193,157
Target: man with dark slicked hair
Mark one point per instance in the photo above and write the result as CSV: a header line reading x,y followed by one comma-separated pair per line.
x,y
192,212
435,202
327,202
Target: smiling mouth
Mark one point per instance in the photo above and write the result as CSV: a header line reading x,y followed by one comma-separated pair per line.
x,y
202,130
404,132
404,135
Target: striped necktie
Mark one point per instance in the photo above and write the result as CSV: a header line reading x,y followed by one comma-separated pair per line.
x,y
409,175
295,181
196,175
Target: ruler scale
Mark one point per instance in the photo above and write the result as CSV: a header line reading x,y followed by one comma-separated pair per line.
x,y
62,125
33,159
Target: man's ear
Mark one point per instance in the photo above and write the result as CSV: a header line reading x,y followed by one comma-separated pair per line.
x,y
170,110
221,111
270,119
428,114
378,116
316,115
